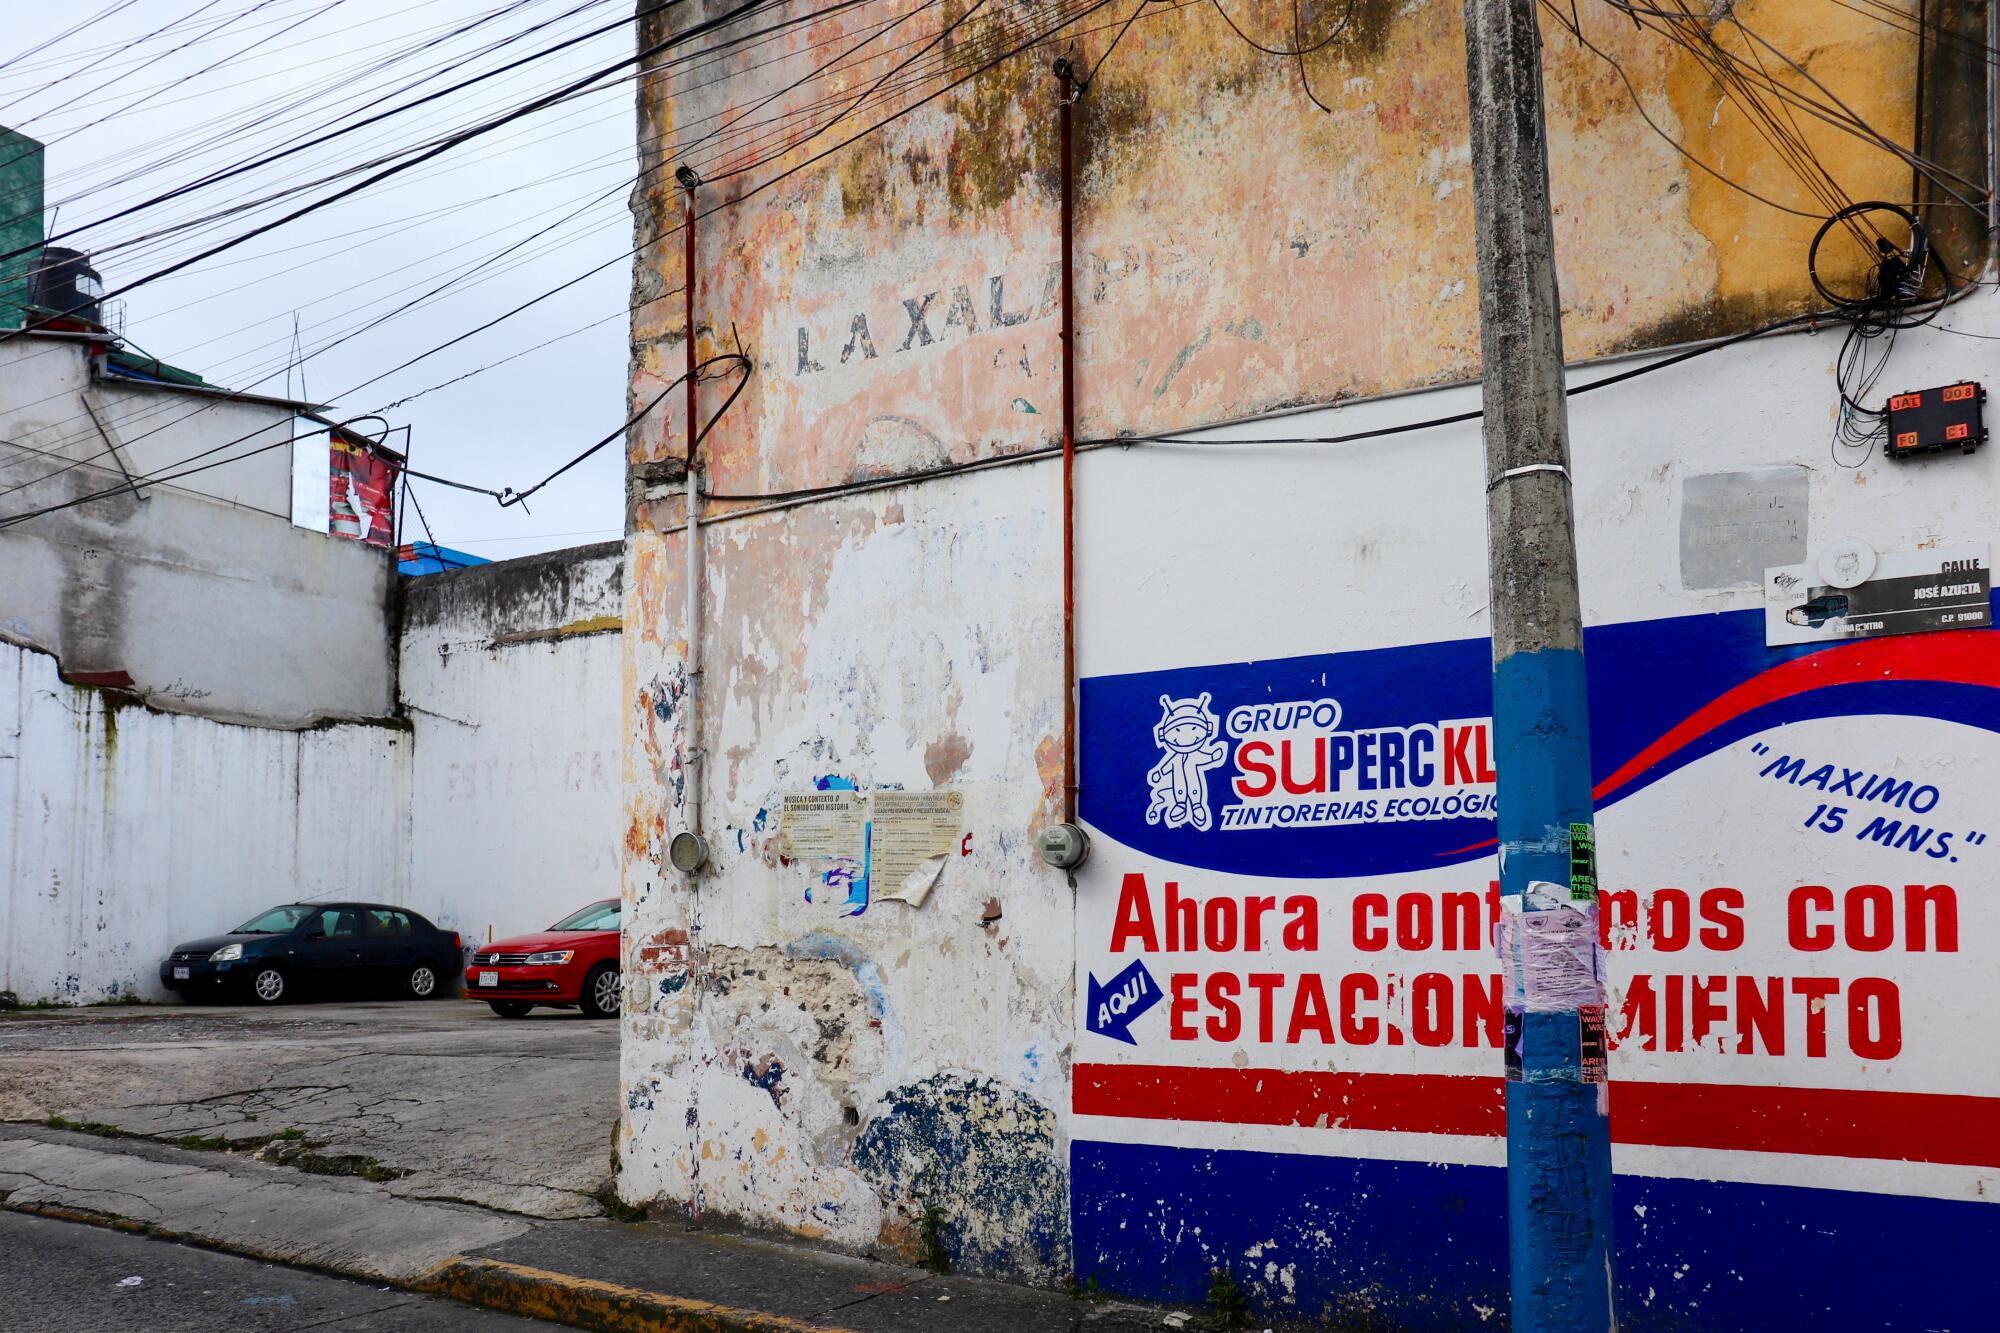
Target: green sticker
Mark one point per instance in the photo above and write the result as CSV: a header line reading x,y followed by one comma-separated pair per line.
x,y
1582,863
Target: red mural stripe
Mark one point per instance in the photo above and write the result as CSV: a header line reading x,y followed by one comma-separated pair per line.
x,y
1964,657
1823,1122
1411,1103
1958,657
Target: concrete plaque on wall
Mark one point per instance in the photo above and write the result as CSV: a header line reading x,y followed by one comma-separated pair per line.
x,y
1736,525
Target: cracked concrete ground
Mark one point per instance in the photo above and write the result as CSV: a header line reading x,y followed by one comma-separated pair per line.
x,y
467,1106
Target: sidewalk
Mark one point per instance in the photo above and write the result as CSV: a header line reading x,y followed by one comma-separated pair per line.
x,y
592,1274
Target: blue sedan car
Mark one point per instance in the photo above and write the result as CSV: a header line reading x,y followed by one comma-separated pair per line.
x,y
337,949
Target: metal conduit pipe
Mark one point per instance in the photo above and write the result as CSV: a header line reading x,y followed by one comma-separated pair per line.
x,y
690,857
1070,91
1065,845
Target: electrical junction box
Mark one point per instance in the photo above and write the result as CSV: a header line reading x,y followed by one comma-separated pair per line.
x,y
1936,420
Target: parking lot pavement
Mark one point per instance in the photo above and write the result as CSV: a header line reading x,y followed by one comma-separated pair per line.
x,y
439,1099
112,1281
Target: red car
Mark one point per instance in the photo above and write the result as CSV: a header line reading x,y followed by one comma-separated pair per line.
x,y
572,963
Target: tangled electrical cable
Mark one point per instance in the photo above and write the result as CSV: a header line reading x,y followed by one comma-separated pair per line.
x,y
508,497
1891,298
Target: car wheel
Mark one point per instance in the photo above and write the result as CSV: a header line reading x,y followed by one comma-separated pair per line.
x,y
602,990
509,1008
422,982
269,984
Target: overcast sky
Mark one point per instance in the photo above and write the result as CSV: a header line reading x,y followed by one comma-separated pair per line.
x,y
153,94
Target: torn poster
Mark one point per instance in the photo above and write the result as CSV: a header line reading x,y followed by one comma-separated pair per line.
x,y
914,833
1559,958
829,824
822,823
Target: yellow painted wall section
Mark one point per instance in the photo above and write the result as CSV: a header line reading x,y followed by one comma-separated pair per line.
x,y
1239,249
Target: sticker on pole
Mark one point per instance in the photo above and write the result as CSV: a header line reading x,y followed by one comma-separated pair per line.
x,y
1582,863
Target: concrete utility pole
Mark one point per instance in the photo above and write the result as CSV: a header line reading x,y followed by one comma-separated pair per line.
x,y
1558,1133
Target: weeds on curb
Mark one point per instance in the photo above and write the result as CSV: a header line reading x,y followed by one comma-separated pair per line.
x,y
932,1252
97,1127
1226,1307
616,1208
365,1167
202,1142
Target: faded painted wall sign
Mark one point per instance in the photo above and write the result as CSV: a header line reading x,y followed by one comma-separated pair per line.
x,y
924,319
1909,592
1735,525
914,833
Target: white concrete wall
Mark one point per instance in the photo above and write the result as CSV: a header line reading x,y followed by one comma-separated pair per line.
x,y
493,807
509,677
47,380
124,830
202,592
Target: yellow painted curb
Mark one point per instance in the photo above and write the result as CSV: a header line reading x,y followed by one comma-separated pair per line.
x,y
588,1303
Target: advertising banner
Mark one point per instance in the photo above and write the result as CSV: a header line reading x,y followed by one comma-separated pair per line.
x,y
362,488
1292,1024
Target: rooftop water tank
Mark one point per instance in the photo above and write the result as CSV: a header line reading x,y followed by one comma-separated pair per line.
x,y
66,285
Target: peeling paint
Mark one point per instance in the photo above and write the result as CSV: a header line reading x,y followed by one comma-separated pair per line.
x,y
985,1157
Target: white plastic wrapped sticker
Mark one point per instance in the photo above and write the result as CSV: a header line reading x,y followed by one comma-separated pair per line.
x,y
1559,958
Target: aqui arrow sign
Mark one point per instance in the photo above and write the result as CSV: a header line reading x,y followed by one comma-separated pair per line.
x,y
1113,1006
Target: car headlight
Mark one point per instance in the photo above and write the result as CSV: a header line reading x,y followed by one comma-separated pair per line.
x,y
553,958
228,953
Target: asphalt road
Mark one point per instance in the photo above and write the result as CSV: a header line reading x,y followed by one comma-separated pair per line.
x,y
451,1100
63,1277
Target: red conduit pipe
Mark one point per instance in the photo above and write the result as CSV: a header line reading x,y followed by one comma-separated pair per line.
x,y
687,290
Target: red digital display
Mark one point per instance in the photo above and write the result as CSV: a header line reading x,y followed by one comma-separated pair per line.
x,y
1947,418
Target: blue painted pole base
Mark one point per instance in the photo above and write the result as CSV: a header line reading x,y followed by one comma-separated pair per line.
x,y
1558,1185
1558,1132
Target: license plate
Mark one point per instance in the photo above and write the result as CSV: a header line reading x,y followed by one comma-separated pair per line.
x,y
180,974
489,978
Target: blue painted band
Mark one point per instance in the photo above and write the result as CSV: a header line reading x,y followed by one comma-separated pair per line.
x,y
1422,1246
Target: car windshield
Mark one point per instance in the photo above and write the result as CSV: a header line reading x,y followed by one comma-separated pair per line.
x,y
276,921
597,916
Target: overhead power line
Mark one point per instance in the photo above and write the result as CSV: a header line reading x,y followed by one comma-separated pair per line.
x,y
428,98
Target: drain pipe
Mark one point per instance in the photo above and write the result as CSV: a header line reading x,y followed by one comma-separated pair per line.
x,y
1065,845
689,850
1070,90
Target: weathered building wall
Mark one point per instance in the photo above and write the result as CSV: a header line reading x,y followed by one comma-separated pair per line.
x,y
1238,253
490,806
801,1052
1238,250
509,674
124,829
200,592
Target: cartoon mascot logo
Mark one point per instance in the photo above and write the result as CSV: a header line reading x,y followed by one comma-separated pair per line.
x,y
1187,737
